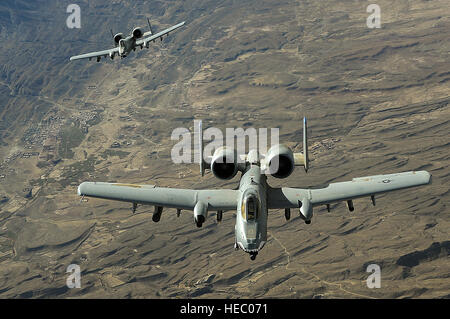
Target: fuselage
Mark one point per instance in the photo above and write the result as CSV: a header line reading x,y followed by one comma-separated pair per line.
x,y
126,45
251,216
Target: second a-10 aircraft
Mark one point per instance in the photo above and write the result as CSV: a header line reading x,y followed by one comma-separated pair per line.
x,y
254,197
124,45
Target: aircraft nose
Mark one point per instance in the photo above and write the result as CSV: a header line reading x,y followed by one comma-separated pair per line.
x,y
252,244
255,244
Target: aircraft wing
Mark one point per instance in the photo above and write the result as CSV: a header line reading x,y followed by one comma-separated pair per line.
x,y
286,197
160,196
91,55
159,34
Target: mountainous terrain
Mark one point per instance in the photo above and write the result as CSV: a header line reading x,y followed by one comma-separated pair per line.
x,y
377,102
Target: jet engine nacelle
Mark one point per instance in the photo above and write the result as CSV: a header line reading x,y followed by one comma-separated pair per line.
x,y
118,37
138,33
200,213
280,161
224,163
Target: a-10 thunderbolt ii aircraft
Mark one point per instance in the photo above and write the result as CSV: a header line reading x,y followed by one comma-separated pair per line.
x,y
254,197
124,45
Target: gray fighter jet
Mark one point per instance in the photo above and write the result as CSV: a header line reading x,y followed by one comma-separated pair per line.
x,y
254,197
124,45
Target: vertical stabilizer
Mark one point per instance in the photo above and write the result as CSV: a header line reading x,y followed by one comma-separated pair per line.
x,y
200,148
150,26
305,145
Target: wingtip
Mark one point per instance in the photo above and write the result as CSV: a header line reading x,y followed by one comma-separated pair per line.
x,y
80,190
429,176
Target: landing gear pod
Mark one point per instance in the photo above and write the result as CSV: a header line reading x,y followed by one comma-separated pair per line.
x,y
306,211
200,213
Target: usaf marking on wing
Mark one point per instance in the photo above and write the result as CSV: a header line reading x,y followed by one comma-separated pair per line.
x,y
254,197
124,45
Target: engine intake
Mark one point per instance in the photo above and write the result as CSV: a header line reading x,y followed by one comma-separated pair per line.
x,y
118,37
224,163
280,161
138,33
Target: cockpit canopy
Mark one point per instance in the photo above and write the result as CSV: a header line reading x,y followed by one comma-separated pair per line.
x,y
250,207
